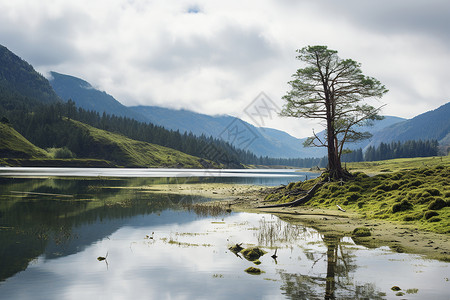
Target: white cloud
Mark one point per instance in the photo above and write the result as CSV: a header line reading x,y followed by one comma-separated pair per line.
x,y
215,57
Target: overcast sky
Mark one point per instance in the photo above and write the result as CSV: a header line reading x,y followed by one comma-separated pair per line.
x,y
215,57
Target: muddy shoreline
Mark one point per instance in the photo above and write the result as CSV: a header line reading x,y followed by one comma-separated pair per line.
x,y
398,236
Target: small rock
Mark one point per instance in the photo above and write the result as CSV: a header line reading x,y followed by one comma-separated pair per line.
x,y
253,270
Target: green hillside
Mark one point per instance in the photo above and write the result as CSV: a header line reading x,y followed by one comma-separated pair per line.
x,y
131,153
14,145
104,146
19,77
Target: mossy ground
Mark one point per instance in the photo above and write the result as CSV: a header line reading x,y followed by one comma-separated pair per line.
x,y
398,164
419,196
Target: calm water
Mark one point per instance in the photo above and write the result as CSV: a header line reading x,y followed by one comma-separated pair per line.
x,y
52,230
246,176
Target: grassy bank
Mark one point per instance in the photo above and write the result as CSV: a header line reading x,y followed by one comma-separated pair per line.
x,y
399,164
419,196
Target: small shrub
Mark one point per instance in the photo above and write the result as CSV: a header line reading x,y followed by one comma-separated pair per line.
x,y
415,183
333,188
388,187
437,204
402,206
383,187
337,193
361,231
429,214
434,192
63,153
354,188
404,182
361,176
394,186
434,219
352,197
413,217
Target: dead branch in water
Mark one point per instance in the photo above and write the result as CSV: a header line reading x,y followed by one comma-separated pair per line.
x,y
298,201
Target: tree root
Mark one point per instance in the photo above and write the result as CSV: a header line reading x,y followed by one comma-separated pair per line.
x,y
298,201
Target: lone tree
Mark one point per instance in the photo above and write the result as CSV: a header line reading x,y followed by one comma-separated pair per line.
x,y
332,89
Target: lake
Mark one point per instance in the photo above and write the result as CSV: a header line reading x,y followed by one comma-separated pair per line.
x,y
93,234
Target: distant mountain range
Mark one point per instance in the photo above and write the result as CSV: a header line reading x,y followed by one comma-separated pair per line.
x,y
20,82
261,141
434,124
33,118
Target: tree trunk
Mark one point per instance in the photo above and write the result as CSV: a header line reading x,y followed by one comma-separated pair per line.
x,y
332,243
334,161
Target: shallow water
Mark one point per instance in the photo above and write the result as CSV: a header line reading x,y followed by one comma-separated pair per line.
x,y
248,176
156,249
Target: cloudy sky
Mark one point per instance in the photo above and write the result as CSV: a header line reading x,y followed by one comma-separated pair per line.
x,y
215,57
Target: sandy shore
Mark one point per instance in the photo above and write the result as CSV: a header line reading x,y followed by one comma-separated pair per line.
x,y
398,236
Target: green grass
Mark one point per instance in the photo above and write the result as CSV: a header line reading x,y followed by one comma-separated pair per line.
x,y
14,145
131,153
399,164
106,149
419,196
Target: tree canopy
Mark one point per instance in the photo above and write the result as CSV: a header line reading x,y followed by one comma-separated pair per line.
x,y
332,90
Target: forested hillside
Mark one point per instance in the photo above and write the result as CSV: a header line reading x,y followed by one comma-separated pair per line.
x,y
17,77
131,153
431,125
29,104
87,97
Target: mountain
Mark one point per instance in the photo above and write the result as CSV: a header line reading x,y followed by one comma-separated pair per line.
x,y
261,141
374,129
14,145
434,124
19,78
89,98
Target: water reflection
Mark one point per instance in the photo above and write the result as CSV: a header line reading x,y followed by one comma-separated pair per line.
x,y
156,249
337,282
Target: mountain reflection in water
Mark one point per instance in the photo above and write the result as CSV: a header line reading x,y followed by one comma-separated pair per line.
x,y
156,249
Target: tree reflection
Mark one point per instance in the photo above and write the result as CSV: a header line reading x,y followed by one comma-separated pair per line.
x,y
336,284
34,224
